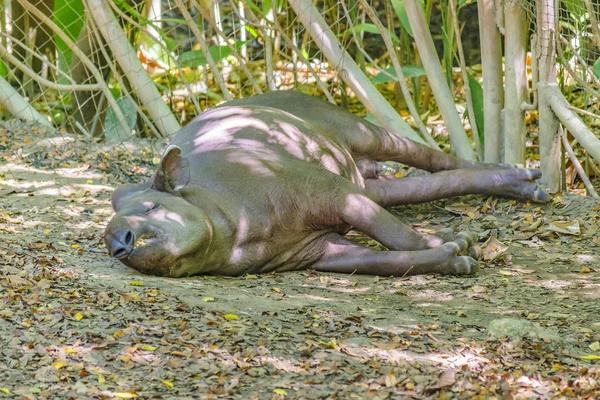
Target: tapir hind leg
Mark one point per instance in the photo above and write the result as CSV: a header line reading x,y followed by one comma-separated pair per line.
x,y
512,183
342,255
372,143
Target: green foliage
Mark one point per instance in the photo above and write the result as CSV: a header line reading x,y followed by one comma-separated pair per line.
x,y
477,97
171,44
113,128
196,58
370,28
268,4
402,16
577,9
596,68
69,16
409,71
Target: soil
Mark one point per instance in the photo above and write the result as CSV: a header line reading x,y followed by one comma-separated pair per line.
x,y
76,324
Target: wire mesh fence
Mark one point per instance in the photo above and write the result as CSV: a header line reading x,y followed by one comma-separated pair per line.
x,y
198,53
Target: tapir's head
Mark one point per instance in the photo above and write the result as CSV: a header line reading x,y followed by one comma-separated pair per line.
x,y
155,230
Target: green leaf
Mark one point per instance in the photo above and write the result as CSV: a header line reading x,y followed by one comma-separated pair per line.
x,y
462,3
266,6
112,125
596,68
370,28
255,9
402,16
477,96
196,58
3,70
409,71
576,8
590,357
69,16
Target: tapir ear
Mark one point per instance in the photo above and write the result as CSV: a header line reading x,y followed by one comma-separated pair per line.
x,y
173,172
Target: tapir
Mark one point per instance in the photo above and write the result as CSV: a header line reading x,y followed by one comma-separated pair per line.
x,y
273,182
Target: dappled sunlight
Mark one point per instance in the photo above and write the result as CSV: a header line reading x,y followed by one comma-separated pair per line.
x,y
317,298
70,173
251,163
348,289
68,190
431,295
283,364
24,185
262,139
553,284
587,259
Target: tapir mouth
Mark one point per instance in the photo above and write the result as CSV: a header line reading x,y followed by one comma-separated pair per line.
x,y
142,241
123,246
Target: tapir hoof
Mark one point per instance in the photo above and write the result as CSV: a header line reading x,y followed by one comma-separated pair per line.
x,y
459,264
464,265
527,187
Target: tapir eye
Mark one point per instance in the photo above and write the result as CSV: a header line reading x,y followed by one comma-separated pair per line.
x,y
152,208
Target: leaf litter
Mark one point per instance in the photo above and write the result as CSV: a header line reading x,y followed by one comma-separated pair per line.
x,y
76,324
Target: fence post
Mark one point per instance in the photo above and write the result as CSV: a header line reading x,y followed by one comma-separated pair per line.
x,y
515,42
491,64
549,139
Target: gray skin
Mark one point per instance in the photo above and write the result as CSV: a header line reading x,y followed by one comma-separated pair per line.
x,y
273,182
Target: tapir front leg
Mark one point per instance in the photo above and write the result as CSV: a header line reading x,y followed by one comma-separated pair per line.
x,y
514,183
365,215
342,255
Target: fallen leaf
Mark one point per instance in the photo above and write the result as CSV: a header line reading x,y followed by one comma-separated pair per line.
x,y
565,227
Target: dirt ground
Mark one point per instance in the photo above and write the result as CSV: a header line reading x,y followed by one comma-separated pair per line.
x,y
76,324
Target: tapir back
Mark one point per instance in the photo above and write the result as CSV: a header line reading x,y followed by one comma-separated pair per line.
x,y
257,142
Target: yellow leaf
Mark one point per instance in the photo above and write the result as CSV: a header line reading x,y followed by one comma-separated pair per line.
x,y
125,395
89,181
69,350
58,365
391,380
147,347
47,231
75,246
167,383
557,367
208,299
591,357
79,316
4,390
101,378
595,346
119,334
280,392
585,270
329,345
136,283
231,316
